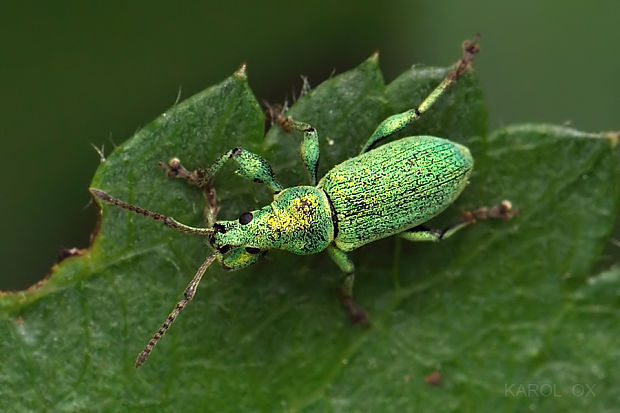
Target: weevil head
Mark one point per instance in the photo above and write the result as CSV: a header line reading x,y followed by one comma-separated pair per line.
x,y
298,220
241,242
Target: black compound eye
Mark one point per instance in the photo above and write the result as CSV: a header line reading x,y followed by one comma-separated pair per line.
x,y
245,218
252,250
224,249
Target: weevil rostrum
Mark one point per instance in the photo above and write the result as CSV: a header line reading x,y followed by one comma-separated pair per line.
x,y
389,189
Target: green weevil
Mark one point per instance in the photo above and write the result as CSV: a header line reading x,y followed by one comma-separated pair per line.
x,y
390,190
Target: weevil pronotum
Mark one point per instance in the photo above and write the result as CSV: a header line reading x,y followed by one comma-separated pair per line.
x,y
390,190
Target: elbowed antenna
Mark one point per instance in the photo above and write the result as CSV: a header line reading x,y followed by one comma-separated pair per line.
x,y
166,220
190,291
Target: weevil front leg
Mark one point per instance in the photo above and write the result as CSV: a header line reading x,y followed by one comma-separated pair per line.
x,y
199,178
251,166
399,121
309,145
421,233
174,169
358,316
310,151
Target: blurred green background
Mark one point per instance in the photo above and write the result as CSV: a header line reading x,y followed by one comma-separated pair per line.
x,y
80,73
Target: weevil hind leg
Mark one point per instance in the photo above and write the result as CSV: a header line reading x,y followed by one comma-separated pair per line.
x,y
356,313
504,210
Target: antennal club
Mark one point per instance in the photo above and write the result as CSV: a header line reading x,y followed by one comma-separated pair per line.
x,y
190,291
166,220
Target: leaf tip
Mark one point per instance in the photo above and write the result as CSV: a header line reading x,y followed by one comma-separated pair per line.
x,y
372,62
242,71
613,137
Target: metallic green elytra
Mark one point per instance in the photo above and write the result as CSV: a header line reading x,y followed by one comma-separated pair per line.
x,y
395,187
390,190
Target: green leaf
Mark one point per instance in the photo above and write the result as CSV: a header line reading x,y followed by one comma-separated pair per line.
x,y
499,306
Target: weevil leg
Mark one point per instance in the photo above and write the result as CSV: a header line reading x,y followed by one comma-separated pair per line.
x,y
310,151
399,121
251,166
174,169
309,145
274,114
198,177
421,233
358,315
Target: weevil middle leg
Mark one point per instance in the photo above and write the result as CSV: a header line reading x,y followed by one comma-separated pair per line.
x,y
358,316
